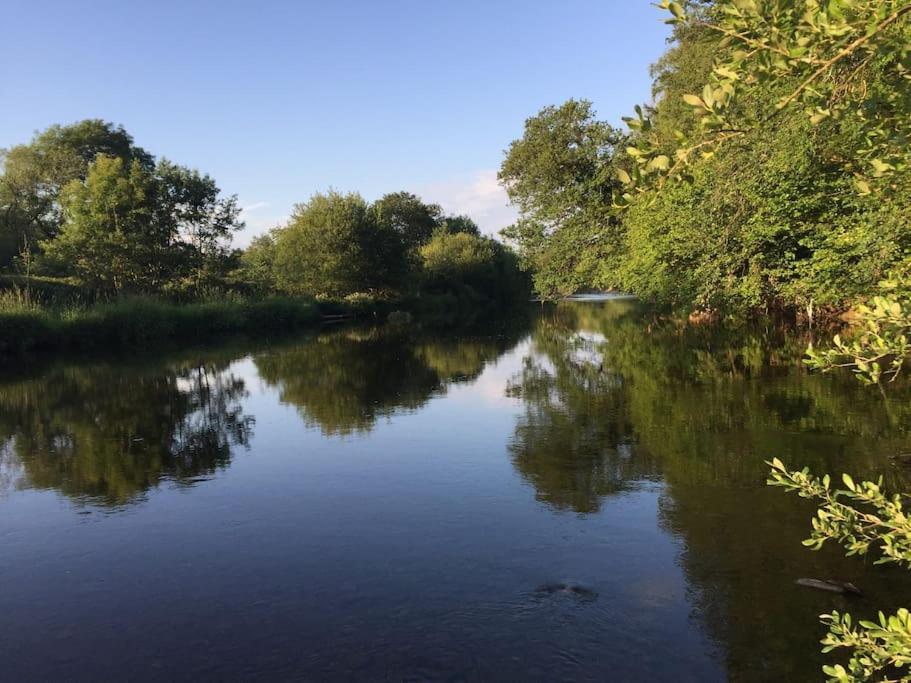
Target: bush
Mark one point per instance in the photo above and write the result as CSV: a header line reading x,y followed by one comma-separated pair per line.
x,y
462,261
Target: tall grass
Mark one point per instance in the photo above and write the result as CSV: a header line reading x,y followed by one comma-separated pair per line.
x,y
27,325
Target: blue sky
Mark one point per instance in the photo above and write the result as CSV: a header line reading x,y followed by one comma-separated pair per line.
x,y
279,99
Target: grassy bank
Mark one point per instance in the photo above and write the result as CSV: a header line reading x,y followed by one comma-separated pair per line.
x,y
27,326
146,322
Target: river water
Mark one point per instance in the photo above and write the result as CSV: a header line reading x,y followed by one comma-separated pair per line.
x,y
577,494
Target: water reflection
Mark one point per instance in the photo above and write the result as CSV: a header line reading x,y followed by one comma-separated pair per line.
x,y
650,434
573,442
613,398
107,434
343,382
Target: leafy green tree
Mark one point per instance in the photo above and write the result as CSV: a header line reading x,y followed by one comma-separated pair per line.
x,y
451,261
199,221
35,173
128,227
460,224
846,61
561,176
257,263
458,258
781,183
406,215
334,245
110,239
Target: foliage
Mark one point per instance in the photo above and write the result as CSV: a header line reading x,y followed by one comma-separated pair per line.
x,y
846,60
789,122
128,227
453,259
879,347
35,173
408,217
869,519
109,239
84,201
879,647
339,245
460,257
860,517
257,263
334,245
560,175
459,224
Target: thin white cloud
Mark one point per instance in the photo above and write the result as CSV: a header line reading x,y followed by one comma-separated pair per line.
x,y
255,206
478,195
256,224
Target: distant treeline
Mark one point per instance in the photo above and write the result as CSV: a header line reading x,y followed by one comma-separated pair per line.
x,y
84,209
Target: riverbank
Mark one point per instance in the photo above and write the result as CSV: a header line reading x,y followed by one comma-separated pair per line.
x,y
144,322
149,322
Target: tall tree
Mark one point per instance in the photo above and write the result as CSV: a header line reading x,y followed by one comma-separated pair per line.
x,y
408,216
129,227
334,245
34,174
561,176
110,238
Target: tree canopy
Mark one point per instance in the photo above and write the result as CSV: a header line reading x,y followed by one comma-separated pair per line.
x,y
786,122
91,204
35,173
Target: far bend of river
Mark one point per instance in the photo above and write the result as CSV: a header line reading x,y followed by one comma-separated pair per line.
x,y
391,504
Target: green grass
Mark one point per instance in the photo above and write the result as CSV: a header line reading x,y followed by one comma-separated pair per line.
x,y
140,322
51,315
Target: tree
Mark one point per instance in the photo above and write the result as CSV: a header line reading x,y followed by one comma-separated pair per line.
x,y
257,263
846,61
408,216
775,166
460,224
561,176
451,261
334,245
200,223
458,258
127,227
34,174
110,239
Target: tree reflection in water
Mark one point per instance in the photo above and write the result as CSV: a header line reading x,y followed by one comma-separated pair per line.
x,y
107,434
614,397
344,382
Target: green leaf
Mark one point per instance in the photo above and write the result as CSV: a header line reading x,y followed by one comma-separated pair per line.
x,y
660,162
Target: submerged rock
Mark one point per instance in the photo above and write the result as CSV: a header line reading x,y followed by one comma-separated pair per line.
x,y
566,588
831,586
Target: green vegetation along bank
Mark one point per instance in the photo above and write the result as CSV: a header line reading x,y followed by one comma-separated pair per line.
x,y
102,245
769,173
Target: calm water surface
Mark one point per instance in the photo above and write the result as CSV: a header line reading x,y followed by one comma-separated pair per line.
x,y
392,504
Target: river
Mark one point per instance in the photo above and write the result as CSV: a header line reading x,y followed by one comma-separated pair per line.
x,y
577,494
